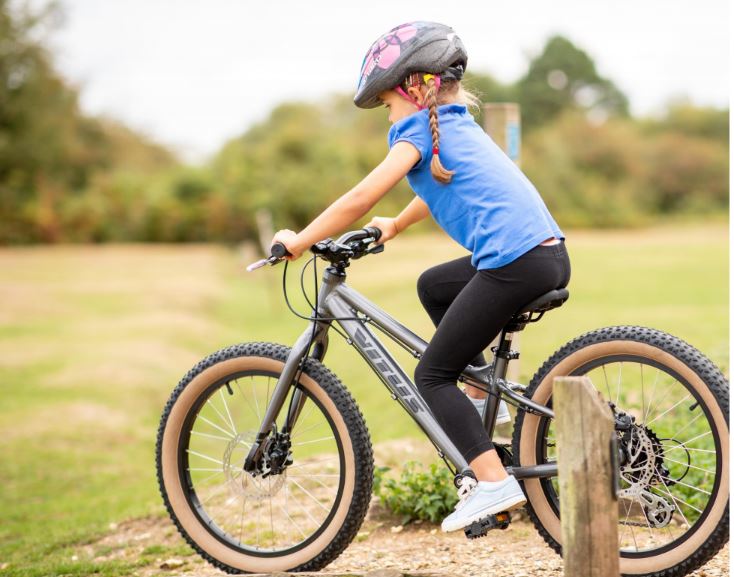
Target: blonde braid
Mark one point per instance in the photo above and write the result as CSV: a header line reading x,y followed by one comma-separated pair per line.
x,y
437,169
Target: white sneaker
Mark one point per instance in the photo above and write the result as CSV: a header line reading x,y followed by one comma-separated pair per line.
x,y
503,415
478,500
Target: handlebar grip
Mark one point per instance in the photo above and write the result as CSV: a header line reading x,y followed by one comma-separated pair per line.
x,y
373,231
278,250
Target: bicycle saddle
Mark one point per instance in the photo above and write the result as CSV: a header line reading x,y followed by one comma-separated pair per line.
x,y
546,302
541,305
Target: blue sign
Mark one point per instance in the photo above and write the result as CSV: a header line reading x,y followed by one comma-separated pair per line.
x,y
513,141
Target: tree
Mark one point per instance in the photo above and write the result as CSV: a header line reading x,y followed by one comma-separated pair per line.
x,y
50,151
564,77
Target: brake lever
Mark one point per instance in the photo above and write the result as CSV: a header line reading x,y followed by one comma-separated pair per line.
x,y
277,252
256,265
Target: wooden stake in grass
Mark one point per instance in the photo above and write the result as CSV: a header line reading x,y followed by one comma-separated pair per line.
x,y
589,513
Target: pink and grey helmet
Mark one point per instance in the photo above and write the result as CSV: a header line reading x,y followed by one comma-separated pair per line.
x,y
412,47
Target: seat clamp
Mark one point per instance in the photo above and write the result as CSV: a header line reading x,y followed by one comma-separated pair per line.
x,y
509,355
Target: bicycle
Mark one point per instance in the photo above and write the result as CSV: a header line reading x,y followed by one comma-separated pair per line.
x,y
265,464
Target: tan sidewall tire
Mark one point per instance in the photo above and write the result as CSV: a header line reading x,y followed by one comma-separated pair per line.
x,y
186,517
527,456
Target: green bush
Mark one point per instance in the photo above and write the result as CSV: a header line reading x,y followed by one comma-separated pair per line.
x,y
418,494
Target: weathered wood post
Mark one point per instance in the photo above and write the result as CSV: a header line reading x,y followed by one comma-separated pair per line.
x,y
589,512
502,123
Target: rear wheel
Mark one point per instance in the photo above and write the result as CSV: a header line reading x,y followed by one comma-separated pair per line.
x,y
304,511
674,477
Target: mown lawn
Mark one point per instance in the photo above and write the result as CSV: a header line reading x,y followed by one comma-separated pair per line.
x,y
93,340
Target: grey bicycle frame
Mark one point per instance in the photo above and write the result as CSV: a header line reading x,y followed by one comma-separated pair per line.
x,y
338,300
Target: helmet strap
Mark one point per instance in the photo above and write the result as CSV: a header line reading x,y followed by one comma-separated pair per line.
x,y
409,98
416,82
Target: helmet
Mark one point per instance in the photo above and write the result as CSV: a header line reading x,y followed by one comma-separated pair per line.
x,y
412,47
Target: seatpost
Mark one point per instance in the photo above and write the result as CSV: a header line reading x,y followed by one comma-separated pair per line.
x,y
503,354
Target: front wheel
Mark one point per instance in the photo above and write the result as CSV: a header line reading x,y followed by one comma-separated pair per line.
x,y
300,511
674,474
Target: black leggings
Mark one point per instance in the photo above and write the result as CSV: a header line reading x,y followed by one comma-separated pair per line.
x,y
469,308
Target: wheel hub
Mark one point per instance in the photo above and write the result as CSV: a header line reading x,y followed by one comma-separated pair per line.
x,y
241,483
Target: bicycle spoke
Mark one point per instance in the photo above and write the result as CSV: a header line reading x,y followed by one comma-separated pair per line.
x,y
682,447
652,397
606,380
642,388
663,396
309,476
226,408
693,420
215,426
205,457
242,518
621,533
295,432
209,402
305,510
237,384
686,485
211,436
683,444
324,485
293,436
254,394
272,529
670,409
313,462
293,522
314,441
690,466
319,503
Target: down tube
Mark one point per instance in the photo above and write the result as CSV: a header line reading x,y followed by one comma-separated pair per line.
x,y
385,366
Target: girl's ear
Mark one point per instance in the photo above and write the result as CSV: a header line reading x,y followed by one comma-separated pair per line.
x,y
417,94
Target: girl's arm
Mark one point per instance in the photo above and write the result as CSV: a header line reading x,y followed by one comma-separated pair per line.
x,y
354,204
415,211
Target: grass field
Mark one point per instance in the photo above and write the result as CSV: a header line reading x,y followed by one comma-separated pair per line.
x,y
94,338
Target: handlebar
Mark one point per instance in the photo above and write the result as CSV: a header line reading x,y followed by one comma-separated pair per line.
x,y
350,245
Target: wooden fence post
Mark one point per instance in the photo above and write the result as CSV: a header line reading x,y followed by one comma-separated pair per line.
x,y
589,511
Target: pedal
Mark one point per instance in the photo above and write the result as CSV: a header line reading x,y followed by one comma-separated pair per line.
x,y
483,526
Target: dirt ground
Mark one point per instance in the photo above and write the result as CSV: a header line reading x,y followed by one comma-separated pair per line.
x,y
383,544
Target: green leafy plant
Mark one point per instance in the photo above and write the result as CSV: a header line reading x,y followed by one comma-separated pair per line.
x,y
419,493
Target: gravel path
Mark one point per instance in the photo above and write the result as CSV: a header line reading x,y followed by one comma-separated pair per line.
x,y
383,544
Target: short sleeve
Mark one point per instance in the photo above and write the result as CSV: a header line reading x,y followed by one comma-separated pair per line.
x,y
413,129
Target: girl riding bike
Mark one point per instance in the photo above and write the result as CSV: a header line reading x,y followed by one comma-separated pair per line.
x,y
484,202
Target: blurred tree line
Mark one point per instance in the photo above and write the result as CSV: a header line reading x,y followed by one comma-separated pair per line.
x,y
65,176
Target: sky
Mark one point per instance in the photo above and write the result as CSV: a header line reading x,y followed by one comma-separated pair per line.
x,y
194,73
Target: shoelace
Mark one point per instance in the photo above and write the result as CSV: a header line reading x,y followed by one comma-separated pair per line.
x,y
466,489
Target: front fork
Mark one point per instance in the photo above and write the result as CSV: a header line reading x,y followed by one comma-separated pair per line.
x,y
316,332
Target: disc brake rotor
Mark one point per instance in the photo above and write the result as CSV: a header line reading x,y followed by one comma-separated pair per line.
x,y
239,481
640,472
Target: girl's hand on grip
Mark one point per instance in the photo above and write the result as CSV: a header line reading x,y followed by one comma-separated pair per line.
x,y
387,225
290,240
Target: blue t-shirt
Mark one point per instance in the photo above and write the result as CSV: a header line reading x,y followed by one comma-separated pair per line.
x,y
489,207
